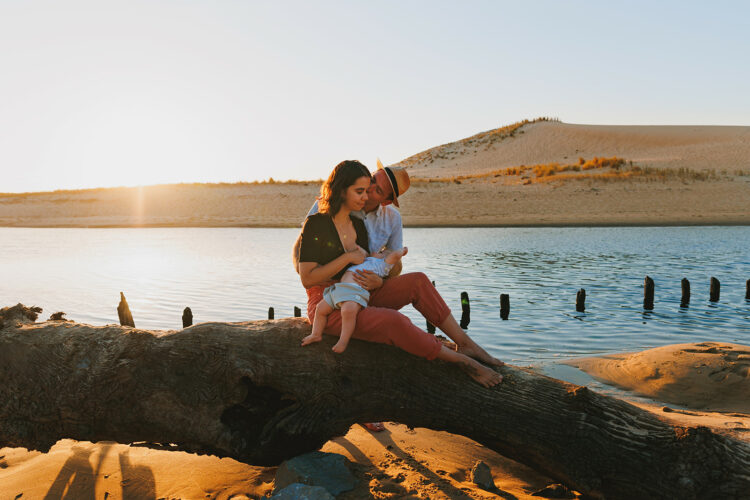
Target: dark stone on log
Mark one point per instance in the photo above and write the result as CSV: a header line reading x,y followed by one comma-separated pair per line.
x,y
270,313
685,299
747,290
581,301
715,290
648,294
245,390
504,305
123,312
297,312
465,310
187,317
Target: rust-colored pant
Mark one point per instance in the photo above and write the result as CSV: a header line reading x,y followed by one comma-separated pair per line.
x,y
381,322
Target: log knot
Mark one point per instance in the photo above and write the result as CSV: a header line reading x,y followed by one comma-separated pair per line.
x,y
18,313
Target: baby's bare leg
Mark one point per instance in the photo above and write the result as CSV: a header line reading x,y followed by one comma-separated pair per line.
x,y
395,256
322,310
349,311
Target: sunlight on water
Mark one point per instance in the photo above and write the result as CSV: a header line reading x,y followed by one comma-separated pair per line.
x,y
235,274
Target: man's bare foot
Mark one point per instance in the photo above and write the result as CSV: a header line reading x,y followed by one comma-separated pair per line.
x,y
312,338
482,374
476,352
339,347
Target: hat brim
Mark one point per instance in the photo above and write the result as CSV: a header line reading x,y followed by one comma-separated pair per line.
x,y
392,180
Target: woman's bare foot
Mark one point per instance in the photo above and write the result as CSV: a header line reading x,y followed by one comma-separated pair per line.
x,y
312,338
476,352
482,374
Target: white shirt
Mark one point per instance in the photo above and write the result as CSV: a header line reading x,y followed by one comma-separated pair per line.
x,y
384,227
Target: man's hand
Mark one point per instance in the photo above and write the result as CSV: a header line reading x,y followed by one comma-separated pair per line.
x,y
368,280
357,256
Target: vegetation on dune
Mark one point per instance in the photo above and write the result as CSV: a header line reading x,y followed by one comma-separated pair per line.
x,y
603,169
482,140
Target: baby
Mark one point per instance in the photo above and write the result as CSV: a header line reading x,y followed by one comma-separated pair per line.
x,y
350,297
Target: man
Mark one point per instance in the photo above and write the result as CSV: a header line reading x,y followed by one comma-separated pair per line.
x,y
382,219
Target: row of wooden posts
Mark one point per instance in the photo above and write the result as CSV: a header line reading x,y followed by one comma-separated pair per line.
x,y
126,318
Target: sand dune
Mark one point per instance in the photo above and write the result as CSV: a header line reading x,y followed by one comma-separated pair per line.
x,y
714,188
693,147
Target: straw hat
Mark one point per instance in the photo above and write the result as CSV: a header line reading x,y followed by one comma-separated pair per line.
x,y
398,178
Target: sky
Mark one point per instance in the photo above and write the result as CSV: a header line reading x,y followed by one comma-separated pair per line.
x,y
109,93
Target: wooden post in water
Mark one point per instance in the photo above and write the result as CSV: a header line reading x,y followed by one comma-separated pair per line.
x,y
581,300
187,317
430,326
715,287
297,312
685,300
465,310
123,312
270,313
648,294
504,305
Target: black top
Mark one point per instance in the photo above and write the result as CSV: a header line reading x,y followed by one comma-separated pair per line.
x,y
321,242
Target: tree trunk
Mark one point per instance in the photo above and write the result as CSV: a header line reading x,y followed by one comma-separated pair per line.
x,y
249,391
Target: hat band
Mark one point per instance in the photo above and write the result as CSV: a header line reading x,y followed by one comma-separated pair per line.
x,y
392,178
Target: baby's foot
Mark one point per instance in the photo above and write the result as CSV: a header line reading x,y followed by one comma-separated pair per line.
x,y
396,255
312,338
339,347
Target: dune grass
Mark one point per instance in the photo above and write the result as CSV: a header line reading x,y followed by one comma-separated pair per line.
x,y
599,169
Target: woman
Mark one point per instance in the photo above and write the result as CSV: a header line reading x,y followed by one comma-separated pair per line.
x,y
333,239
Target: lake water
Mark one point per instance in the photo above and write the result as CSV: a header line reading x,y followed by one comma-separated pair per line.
x,y
235,274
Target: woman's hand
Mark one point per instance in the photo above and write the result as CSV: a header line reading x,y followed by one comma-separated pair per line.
x,y
368,280
357,256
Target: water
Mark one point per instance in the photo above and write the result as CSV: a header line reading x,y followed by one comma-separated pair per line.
x,y
235,274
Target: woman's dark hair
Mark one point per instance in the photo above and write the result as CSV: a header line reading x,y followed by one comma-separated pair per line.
x,y
332,191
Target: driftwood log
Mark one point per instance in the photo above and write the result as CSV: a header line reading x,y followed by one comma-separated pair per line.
x,y
249,391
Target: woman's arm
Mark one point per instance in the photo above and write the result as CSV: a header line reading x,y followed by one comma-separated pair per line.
x,y
312,273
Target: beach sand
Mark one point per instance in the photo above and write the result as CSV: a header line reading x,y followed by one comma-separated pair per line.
x,y
697,380
713,188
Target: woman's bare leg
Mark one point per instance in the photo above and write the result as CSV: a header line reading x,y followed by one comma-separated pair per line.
x,y
482,374
322,310
349,310
465,344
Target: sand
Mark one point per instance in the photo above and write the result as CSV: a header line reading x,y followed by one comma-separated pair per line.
x,y
704,384
398,462
707,376
722,198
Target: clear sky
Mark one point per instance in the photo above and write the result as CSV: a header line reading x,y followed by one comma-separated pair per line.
x,y
107,93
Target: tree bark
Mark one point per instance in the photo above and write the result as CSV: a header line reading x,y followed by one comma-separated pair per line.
x,y
249,391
